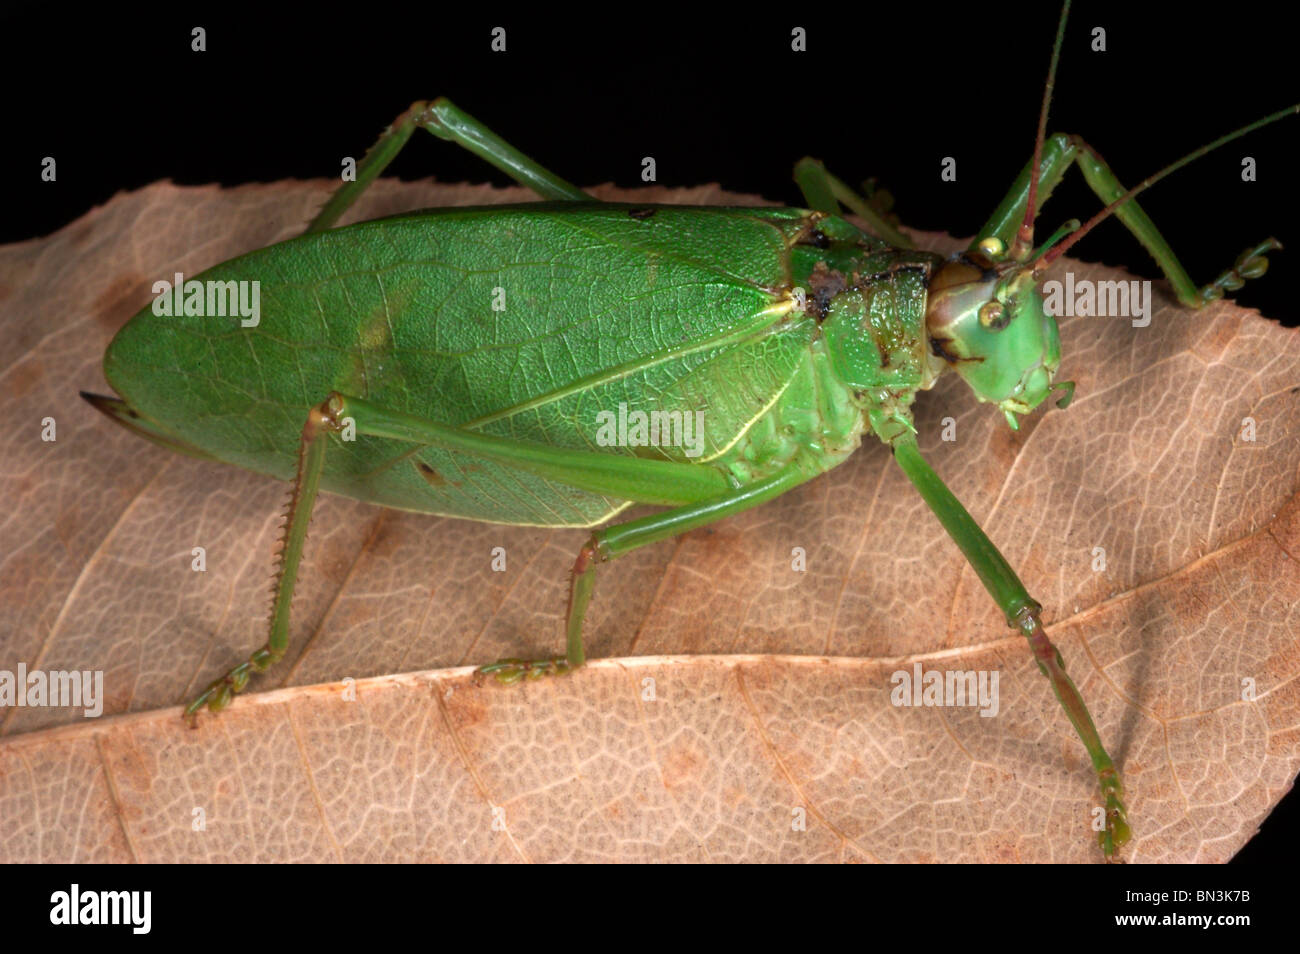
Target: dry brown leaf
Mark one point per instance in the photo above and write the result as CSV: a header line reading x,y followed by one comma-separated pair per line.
x,y
1199,529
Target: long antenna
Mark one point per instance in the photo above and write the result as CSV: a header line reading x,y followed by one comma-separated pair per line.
x,y
1057,251
1025,238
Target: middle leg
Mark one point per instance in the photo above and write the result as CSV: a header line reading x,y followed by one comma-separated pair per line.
x,y
616,540
446,120
824,192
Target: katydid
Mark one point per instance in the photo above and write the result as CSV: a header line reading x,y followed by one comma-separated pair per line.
x,y
378,368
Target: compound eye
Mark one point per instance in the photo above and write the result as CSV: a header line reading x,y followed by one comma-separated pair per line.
x,y
994,315
992,247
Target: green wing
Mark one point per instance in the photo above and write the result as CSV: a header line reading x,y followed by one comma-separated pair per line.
x,y
521,321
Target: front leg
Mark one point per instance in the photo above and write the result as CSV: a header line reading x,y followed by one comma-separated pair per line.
x,y
1059,152
1022,613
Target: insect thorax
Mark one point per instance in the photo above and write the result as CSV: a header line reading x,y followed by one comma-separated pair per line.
x,y
875,336
868,354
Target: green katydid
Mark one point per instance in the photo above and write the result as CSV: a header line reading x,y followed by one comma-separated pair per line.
x,y
379,369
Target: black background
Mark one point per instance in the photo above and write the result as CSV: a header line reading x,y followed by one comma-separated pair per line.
x,y
884,90
317,907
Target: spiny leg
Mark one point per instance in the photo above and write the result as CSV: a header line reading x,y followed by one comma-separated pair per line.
x,y
1022,613
1059,151
661,482
614,541
446,121
824,192
311,457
